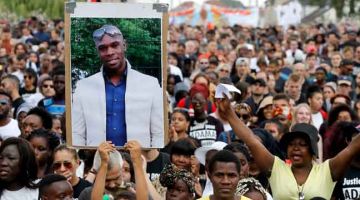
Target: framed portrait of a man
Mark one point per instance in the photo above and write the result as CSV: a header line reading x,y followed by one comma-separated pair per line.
x,y
115,74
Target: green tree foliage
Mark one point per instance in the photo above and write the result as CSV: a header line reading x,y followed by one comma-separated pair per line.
x,y
338,5
143,38
25,8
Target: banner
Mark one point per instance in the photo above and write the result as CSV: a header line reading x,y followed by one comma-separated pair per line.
x,y
215,15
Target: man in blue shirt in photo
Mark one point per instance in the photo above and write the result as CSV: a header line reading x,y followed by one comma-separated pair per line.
x,y
118,103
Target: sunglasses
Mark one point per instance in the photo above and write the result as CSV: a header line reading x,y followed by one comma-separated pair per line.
x,y
28,77
67,165
106,29
244,117
3,102
47,86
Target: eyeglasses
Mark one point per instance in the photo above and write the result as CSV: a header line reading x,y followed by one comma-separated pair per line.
x,y
106,29
67,165
204,63
3,102
28,77
224,70
48,86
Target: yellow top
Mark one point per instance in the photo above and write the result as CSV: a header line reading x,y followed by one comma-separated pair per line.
x,y
284,186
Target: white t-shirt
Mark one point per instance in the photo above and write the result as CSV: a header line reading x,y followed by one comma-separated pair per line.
x,y
9,130
20,76
34,99
22,194
317,119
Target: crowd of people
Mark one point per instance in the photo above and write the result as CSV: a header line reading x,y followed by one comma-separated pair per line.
x,y
290,134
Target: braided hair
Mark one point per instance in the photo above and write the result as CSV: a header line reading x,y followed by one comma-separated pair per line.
x,y
170,174
249,184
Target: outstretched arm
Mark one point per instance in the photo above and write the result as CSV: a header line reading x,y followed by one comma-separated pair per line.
x,y
263,158
342,160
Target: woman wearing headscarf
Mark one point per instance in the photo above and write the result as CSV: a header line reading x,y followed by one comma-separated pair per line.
x,y
180,183
304,179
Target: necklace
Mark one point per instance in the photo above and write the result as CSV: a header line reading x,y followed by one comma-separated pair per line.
x,y
301,193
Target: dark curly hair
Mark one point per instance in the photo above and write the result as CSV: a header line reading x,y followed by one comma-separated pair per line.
x,y
334,113
44,115
239,147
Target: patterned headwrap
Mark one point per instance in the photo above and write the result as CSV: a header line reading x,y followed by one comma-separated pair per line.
x,y
171,173
246,184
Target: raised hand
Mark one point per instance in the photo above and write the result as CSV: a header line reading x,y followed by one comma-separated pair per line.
x,y
173,134
224,107
104,149
195,166
134,148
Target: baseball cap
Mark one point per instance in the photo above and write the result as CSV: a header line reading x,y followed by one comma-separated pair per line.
x,y
242,60
200,153
307,131
181,86
260,81
351,31
265,102
332,85
344,80
346,62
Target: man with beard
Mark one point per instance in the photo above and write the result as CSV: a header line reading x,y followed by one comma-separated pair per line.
x,y
11,85
224,172
275,69
257,94
118,103
8,126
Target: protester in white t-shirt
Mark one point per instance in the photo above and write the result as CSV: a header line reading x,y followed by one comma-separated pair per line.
x,y
18,170
8,126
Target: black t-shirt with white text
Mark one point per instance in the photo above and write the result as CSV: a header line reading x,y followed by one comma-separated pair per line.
x,y
154,168
207,131
349,187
